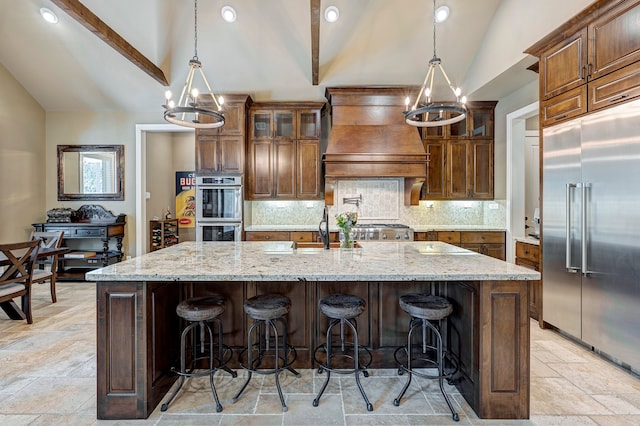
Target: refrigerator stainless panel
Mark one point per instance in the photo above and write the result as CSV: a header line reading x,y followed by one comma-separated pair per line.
x,y
611,289
561,290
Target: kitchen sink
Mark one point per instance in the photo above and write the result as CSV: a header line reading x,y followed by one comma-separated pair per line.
x,y
312,245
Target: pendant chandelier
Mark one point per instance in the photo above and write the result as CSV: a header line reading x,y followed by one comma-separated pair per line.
x,y
424,112
192,110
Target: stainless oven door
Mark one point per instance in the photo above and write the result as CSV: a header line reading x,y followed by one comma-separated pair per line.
x,y
219,203
213,231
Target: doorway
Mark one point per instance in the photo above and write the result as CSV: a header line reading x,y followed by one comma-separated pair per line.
x,y
516,175
141,178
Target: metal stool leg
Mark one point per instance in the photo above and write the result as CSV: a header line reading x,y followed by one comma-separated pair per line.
x,y
249,361
412,326
356,364
181,378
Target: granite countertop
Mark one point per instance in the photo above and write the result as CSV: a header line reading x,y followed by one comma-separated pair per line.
x,y
279,261
333,228
528,240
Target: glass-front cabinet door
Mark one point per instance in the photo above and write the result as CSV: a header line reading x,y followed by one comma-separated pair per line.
x,y
309,124
285,124
261,125
482,123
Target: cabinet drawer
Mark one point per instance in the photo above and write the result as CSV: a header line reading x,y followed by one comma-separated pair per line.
x,y
451,237
528,252
266,236
565,106
619,86
527,263
90,232
302,236
482,237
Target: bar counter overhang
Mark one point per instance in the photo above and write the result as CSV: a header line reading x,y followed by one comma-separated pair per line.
x,y
488,332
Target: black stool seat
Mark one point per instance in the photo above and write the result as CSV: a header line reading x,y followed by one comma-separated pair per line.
x,y
199,312
342,306
342,310
267,310
267,306
426,306
201,308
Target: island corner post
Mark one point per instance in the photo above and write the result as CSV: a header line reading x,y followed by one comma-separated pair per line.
x,y
488,332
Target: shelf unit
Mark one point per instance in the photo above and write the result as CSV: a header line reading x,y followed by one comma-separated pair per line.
x,y
163,233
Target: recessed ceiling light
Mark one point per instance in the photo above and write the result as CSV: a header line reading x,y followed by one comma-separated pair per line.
x,y
331,14
229,14
48,15
442,13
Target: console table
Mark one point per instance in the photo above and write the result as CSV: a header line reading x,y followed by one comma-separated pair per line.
x,y
95,223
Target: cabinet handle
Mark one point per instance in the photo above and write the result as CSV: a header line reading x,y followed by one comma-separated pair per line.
x,y
583,72
560,117
619,98
588,70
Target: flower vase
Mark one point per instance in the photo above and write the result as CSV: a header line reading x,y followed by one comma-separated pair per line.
x,y
346,240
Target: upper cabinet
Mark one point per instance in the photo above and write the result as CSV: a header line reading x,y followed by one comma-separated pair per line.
x,y
461,156
284,151
221,150
591,62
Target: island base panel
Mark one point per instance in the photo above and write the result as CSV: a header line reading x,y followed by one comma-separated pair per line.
x,y
487,333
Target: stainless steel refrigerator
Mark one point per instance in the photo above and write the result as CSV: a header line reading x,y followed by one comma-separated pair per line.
x,y
591,230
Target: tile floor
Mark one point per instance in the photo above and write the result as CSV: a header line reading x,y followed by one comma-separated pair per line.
x,y
47,377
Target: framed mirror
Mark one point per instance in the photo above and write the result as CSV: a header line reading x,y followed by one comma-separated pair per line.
x,y
91,172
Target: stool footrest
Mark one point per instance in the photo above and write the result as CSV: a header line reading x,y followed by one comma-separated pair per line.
x,y
347,353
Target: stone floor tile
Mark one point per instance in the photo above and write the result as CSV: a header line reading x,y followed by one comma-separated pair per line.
x,y
563,421
557,396
256,419
616,420
189,419
302,412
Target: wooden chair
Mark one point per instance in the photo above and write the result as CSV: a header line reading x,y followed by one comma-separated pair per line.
x,y
42,275
15,280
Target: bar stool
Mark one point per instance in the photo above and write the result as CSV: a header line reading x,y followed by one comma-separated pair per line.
x,y
342,309
265,310
425,308
198,311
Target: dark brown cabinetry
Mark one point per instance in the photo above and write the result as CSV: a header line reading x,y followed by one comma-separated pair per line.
x,y
489,243
221,150
298,236
528,255
284,151
461,156
591,62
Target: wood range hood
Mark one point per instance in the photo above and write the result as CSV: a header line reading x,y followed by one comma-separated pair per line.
x,y
369,139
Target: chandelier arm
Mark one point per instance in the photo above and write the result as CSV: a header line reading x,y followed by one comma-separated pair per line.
x,y
206,82
433,74
448,81
424,85
186,87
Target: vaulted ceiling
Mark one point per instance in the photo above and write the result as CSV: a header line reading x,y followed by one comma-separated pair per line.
x,y
267,52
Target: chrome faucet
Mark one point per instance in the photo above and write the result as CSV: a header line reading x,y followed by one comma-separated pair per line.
x,y
324,234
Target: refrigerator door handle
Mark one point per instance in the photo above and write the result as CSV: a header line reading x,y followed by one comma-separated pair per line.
x,y
583,230
567,227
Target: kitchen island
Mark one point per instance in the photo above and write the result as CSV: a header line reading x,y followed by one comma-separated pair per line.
x,y
488,331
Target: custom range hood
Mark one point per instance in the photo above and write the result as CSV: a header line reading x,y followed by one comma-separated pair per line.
x,y
369,139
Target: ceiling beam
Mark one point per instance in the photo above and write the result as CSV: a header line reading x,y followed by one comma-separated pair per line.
x,y
315,40
90,21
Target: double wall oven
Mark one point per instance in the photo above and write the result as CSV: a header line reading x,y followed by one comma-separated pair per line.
x,y
219,208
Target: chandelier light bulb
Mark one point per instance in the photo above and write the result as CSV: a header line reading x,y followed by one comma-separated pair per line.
x,y
406,102
194,92
463,100
442,13
171,104
458,91
167,95
220,101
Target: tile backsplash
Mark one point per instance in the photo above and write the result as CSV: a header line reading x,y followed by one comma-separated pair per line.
x,y
382,202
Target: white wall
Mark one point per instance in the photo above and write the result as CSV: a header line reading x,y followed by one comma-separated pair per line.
x,y
516,25
22,165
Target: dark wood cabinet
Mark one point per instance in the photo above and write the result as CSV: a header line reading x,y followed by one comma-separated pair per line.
x,y
461,156
489,243
528,255
222,150
284,151
163,233
590,62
